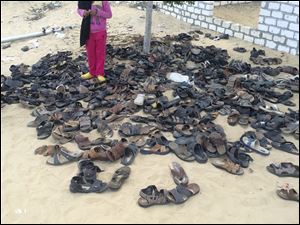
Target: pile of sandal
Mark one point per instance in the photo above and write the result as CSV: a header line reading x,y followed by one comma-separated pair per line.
x,y
65,107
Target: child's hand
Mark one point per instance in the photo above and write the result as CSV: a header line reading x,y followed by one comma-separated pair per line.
x,y
93,12
86,13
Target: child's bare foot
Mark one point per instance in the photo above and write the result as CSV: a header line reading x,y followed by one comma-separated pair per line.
x,y
87,76
101,78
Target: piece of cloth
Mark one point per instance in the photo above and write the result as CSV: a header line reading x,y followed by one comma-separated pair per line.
x,y
98,22
96,52
86,21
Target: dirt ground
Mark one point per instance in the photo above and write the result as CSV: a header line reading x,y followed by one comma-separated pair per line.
x,y
33,192
245,14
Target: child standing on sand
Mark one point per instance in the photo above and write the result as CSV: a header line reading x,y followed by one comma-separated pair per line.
x,y
93,35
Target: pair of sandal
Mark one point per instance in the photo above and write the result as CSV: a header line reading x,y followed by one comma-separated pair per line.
x,y
152,196
58,155
86,181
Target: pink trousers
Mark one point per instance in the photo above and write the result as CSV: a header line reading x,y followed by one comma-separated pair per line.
x,y
96,52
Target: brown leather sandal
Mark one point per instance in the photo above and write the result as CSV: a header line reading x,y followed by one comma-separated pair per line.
x,y
45,150
83,142
117,151
228,166
288,194
98,152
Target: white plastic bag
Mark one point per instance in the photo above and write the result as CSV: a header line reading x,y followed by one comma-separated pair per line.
x,y
177,77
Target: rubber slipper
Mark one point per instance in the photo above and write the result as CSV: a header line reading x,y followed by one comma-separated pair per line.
x,y
237,156
80,185
274,136
284,169
199,152
253,145
44,130
289,147
178,174
129,155
38,120
119,178
181,152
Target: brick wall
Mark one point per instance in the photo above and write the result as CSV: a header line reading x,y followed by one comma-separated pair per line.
x,y
278,26
219,3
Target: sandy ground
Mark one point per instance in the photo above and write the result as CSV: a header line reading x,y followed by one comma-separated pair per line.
x,y
33,192
245,14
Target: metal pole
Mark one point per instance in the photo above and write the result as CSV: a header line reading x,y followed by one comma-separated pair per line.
x,y
36,34
147,37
